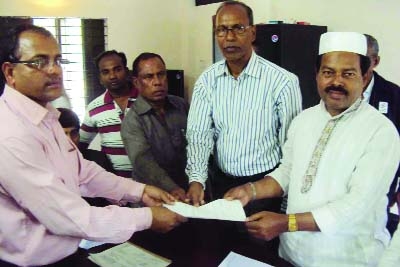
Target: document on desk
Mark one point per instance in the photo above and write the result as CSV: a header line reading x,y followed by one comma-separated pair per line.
x,y
236,260
87,244
128,255
220,209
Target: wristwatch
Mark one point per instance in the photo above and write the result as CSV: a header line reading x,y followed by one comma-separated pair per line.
x,y
292,223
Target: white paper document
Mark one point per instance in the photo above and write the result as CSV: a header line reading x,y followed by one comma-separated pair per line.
x,y
236,260
128,255
220,209
87,244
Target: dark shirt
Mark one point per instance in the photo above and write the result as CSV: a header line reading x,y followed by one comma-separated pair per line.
x,y
384,91
387,92
157,146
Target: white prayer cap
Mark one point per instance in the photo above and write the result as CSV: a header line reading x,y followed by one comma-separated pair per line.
x,y
343,41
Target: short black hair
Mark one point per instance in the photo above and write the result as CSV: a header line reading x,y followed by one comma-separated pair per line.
x,y
248,9
68,118
9,42
364,63
373,44
110,53
142,57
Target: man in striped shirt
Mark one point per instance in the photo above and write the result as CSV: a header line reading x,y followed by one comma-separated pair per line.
x,y
241,109
105,113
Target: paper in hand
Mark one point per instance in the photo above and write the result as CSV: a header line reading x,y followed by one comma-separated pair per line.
x,y
220,209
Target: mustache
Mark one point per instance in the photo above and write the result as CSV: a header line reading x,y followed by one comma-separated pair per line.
x,y
339,89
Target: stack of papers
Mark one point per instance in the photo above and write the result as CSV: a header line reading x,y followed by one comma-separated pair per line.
x,y
128,255
236,260
220,209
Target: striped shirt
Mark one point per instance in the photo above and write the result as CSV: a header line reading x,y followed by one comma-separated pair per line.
x,y
104,116
245,118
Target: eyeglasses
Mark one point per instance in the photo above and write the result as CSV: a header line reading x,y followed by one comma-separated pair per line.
x,y
237,29
42,63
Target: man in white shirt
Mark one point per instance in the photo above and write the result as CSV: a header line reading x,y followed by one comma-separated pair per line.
x,y
391,256
337,165
240,112
385,97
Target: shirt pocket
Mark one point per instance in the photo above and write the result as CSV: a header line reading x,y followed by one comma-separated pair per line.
x,y
178,138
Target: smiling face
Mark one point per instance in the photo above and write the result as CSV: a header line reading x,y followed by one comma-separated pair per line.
x,y
339,80
236,48
40,85
113,73
151,80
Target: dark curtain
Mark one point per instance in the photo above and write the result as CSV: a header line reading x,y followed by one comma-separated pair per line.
x,y
94,44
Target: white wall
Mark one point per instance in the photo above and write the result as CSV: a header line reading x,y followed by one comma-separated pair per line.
x,y
182,34
379,18
134,26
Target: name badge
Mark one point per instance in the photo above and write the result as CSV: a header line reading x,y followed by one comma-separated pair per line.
x,y
383,107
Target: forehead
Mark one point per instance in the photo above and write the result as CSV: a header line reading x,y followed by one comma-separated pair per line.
x,y
32,44
110,61
232,14
153,64
70,129
341,60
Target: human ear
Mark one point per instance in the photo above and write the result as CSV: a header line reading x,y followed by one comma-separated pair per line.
x,y
8,71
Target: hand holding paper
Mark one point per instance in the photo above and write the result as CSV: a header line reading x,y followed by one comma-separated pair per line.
x,y
220,209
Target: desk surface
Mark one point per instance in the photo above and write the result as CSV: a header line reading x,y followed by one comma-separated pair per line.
x,y
201,243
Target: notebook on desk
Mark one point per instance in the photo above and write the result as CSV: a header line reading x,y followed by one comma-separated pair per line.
x,y
128,255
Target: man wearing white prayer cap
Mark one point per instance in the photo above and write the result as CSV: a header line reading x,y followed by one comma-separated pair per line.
x,y
338,162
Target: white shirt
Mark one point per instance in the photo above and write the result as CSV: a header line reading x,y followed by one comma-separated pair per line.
x,y
348,196
247,118
391,256
368,90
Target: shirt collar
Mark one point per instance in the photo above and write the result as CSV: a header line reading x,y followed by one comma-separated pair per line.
x,y
354,107
27,107
108,98
142,106
368,90
251,69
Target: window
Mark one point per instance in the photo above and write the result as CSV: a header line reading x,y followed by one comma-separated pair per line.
x,y
80,40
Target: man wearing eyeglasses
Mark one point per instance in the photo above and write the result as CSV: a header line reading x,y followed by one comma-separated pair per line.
x,y
43,175
241,109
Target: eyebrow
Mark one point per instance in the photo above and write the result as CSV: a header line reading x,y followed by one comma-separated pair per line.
x,y
331,68
46,55
112,68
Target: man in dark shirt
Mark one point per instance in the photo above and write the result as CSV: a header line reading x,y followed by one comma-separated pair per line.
x,y
153,131
385,97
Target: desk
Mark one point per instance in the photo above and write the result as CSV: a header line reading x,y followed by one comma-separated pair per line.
x,y
200,243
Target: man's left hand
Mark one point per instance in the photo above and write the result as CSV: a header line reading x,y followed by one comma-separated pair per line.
x,y
266,225
154,196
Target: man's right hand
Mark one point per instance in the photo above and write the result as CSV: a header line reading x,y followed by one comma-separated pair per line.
x,y
195,194
242,193
165,220
179,194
